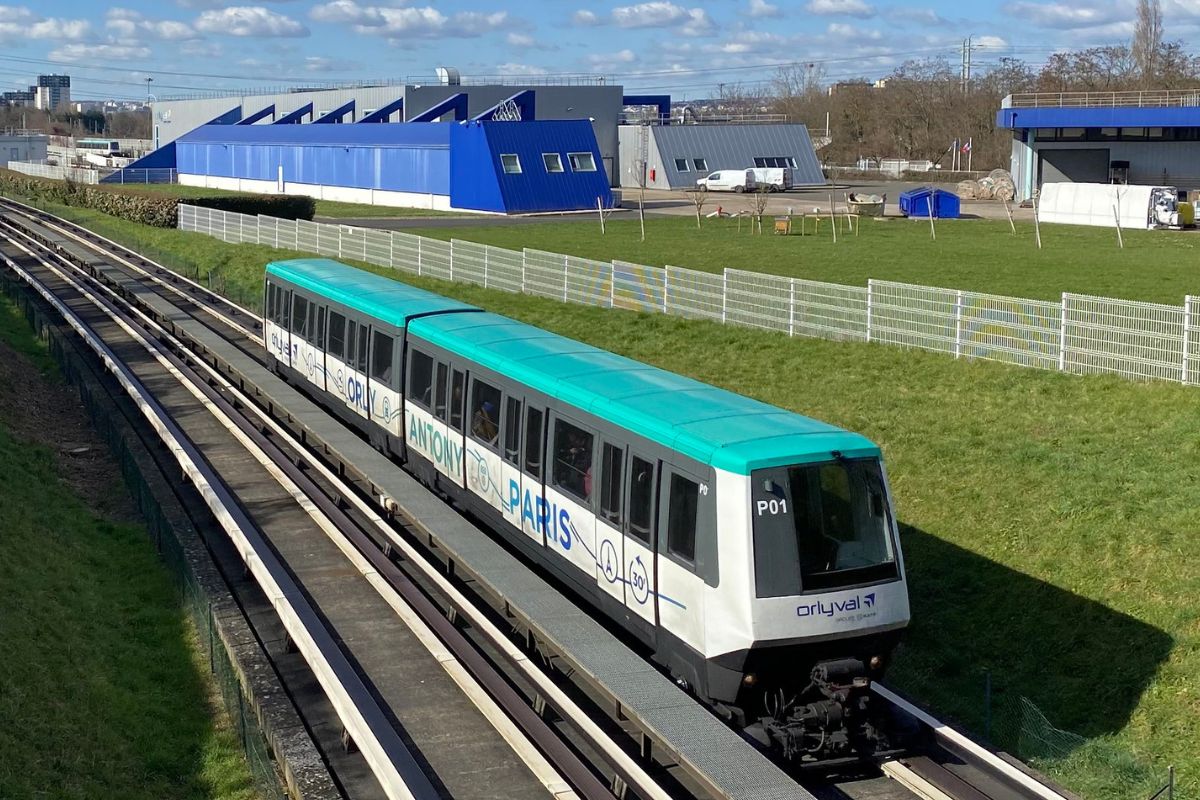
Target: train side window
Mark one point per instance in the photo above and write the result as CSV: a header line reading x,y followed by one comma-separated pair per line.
x,y
485,412
458,382
572,466
320,340
441,387
299,315
512,430
337,335
270,301
533,442
381,358
281,307
361,366
310,327
420,378
351,341
681,517
641,498
610,483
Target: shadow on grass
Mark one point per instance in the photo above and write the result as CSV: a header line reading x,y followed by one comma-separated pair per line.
x,y
1084,665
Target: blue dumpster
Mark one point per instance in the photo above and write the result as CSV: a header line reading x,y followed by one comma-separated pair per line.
x,y
915,203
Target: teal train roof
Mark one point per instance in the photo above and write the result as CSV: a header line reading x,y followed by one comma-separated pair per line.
x,y
711,425
382,298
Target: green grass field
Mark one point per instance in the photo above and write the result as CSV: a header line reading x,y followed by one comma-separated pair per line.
x,y
325,208
1049,520
102,692
979,255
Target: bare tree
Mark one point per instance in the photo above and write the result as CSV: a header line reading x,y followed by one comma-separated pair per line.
x,y
760,203
699,198
1147,39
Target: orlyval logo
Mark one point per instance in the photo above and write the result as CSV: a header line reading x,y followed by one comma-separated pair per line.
x,y
835,607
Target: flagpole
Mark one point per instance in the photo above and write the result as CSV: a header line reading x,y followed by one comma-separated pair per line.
x,y
970,152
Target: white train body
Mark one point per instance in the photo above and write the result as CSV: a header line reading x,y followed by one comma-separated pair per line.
x,y
656,537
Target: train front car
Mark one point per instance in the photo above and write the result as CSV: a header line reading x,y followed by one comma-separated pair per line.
x,y
827,600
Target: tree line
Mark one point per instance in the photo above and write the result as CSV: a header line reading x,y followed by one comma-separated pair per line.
x,y
924,105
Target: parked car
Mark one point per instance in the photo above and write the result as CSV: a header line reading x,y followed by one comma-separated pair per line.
x,y
776,179
729,180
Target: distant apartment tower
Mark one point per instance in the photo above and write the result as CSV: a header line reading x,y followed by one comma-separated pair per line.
x,y
19,98
53,92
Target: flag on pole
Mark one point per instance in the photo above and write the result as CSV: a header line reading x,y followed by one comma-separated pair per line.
x,y
966,148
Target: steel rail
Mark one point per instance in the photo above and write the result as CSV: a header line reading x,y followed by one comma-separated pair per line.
x,y
373,563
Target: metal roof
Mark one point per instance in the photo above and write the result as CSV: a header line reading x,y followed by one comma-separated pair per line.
x,y
379,297
385,134
735,147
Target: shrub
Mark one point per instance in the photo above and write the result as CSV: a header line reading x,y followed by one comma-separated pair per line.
x,y
145,208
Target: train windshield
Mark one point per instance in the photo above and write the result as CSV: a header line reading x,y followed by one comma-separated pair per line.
x,y
821,526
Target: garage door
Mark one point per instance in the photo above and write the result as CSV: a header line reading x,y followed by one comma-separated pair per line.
x,y
1073,166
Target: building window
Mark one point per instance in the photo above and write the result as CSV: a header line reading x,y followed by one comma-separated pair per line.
x,y
700,164
553,162
511,163
775,162
582,162
681,164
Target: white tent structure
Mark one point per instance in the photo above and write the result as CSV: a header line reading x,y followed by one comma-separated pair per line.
x,y
1103,204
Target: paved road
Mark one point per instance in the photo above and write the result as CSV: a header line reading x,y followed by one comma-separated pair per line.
x,y
661,203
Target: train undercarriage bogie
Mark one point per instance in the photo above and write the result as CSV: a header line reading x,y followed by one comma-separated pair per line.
x,y
833,720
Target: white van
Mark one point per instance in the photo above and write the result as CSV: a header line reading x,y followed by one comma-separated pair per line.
x,y
729,180
776,179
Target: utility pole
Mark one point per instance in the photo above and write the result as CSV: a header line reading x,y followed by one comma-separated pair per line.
x,y
965,73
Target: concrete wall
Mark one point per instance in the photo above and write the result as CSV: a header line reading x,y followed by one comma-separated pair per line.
x,y
22,148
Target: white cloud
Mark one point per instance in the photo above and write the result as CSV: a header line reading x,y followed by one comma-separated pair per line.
x,y
16,14
128,24
655,14
844,32
401,23
698,23
218,4
1067,15
918,16
249,21
54,28
763,9
585,18
198,48
990,42
840,8
520,70
113,51
606,60
519,40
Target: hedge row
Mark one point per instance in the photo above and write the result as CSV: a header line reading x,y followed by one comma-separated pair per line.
x,y
148,208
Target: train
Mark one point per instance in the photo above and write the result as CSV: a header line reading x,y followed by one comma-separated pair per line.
x,y
752,552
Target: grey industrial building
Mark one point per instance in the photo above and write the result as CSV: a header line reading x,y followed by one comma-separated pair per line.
x,y
22,147
677,155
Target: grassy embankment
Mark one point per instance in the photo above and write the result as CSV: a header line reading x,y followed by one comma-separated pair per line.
x,y
325,208
976,255
102,692
1048,519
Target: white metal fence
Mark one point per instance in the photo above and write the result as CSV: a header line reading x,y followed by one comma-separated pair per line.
x,y
42,170
1078,334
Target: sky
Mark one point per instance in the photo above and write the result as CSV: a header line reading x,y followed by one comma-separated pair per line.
x,y
686,48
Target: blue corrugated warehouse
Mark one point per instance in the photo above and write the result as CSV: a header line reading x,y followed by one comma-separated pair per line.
x,y
502,167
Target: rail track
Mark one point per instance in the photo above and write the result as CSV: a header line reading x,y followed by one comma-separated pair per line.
x,y
573,732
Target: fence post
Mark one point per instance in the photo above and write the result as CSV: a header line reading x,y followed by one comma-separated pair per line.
x,y
870,307
666,273
792,307
452,259
724,293
524,256
392,249
487,249
420,257
958,324
612,284
565,278
339,230
1062,336
1187,337
224,230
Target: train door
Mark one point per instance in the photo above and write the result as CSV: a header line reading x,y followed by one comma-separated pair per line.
x,y
640,537
510,460
355,394
531,488
610,544
276,334
484,475
337,366
383,391
570,517
311,358
299,321
321,377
